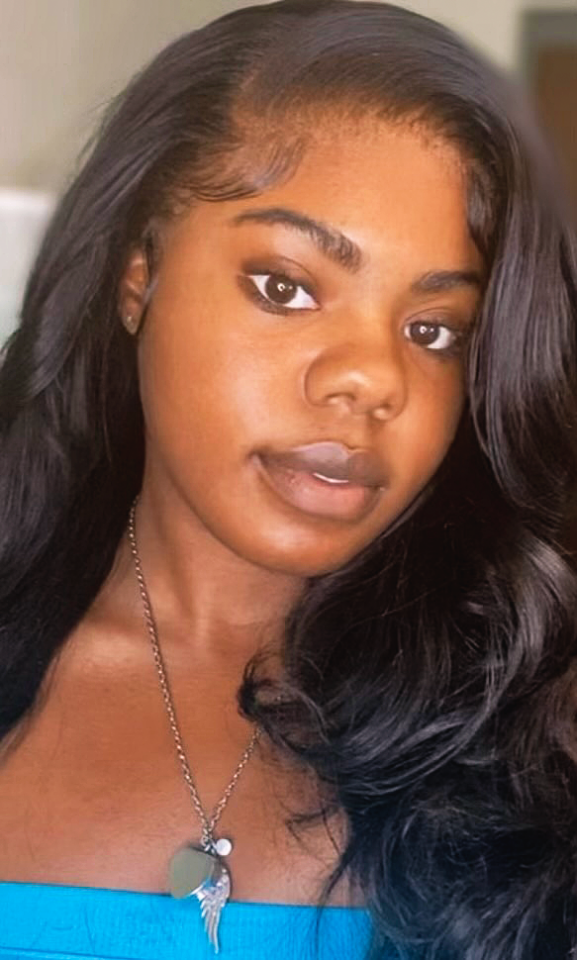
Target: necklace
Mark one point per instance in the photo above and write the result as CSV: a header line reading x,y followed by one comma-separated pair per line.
x,y
197,869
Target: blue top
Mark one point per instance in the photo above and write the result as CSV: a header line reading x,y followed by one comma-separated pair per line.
x,y
50,922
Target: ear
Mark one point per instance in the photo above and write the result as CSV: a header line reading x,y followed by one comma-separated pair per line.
x,y
133,288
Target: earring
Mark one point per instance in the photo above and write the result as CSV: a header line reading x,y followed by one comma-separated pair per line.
x,y
131,323
381,412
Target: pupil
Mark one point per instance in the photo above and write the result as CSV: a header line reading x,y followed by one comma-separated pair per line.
x,y
425,332
280,288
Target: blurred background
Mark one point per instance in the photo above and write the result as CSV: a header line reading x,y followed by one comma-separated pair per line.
x,y
62,60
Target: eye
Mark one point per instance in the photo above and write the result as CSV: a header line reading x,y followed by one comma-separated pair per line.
x,y
434,336
279,290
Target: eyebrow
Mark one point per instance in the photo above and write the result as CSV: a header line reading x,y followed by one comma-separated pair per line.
x,y
346,253
330,241
439,281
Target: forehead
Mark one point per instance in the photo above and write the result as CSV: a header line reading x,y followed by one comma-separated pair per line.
x,y
377,182
378,163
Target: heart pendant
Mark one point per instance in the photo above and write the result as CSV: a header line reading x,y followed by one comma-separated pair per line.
x,y
190,867
195,871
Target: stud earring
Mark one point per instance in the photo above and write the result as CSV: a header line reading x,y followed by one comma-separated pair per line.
x,y
381,412
131,323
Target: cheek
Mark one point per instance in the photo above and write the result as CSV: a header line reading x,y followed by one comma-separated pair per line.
x,y
204,394
418,440
435,417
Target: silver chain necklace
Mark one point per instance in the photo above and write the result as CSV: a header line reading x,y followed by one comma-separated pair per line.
x,y
197,869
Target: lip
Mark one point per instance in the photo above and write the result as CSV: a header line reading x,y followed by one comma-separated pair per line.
x,y
330,498
334,461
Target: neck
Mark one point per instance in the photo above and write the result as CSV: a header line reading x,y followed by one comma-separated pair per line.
x,y
211,602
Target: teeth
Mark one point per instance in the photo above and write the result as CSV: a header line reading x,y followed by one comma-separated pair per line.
x,y
320,476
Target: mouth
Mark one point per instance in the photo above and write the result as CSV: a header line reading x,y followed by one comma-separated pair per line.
x,y
317,495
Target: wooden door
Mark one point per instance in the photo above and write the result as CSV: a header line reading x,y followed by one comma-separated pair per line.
x,y
550,61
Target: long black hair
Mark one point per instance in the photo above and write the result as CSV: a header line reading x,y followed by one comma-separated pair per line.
x,y
430,681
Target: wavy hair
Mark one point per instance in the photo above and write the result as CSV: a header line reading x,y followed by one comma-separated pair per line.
x,y
430,682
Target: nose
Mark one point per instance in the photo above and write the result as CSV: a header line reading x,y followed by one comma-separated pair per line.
x,y
364,375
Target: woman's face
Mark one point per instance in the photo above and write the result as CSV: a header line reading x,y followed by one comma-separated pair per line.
x,y
331,309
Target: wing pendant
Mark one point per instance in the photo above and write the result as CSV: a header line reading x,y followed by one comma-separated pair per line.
x,y
212,897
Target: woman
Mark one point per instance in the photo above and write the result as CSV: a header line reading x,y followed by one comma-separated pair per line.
x,y
286,425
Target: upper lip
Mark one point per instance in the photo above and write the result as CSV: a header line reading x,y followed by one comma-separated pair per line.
x,y
333,460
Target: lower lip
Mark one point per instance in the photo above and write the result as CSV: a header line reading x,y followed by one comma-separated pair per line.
x,y
339,501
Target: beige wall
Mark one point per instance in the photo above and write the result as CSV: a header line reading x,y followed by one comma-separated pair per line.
x,y
60,60
491,25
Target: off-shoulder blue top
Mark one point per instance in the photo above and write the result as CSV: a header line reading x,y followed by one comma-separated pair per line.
x,y
50,922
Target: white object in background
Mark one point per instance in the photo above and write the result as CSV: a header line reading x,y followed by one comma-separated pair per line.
x,y
23,217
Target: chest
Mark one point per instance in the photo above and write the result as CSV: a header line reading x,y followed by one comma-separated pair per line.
x,y
94,795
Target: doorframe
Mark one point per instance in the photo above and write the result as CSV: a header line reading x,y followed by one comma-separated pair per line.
x,y
543,28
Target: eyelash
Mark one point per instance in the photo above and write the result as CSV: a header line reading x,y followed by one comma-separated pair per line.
x,y
460,337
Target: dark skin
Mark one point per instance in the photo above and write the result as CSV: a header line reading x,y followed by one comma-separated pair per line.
x,y
92,794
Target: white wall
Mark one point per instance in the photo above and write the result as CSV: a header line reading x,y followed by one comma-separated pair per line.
x,y
60,60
